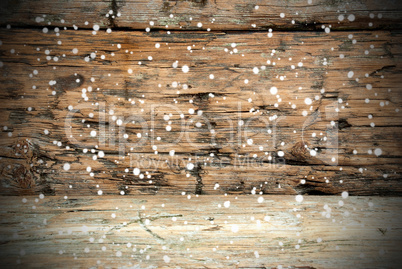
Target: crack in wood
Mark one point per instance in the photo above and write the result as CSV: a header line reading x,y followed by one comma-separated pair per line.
x,y
196,172
387,67
140,221
112,17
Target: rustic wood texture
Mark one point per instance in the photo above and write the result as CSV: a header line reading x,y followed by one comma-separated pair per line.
x,y
84,232
30,107
216,15
202,103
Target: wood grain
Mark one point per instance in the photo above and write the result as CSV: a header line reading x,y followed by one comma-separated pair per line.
x,y
31,106
216,15
219,123
201,232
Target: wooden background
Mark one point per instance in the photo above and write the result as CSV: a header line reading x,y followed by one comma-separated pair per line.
x,y
69,68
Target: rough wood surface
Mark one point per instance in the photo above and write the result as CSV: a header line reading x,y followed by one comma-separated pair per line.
x,y
177,232
200,101
36,142
216,15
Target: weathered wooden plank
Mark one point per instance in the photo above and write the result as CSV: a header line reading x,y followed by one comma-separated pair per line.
x,y
201,232
365,141
215,15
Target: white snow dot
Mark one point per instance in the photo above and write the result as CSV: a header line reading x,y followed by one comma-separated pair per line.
x,y
377,152
273,90
260,199
136,171
308,101
351,17
93,133
190,166
299,198
166,259
185,69
235,228
345,194
66,166
226,204
350,74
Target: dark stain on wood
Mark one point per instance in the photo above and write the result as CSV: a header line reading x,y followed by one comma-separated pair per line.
x,y
168,5
69,82
199,3
112,17
343,123
19,116
12,87
196,172
383,231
